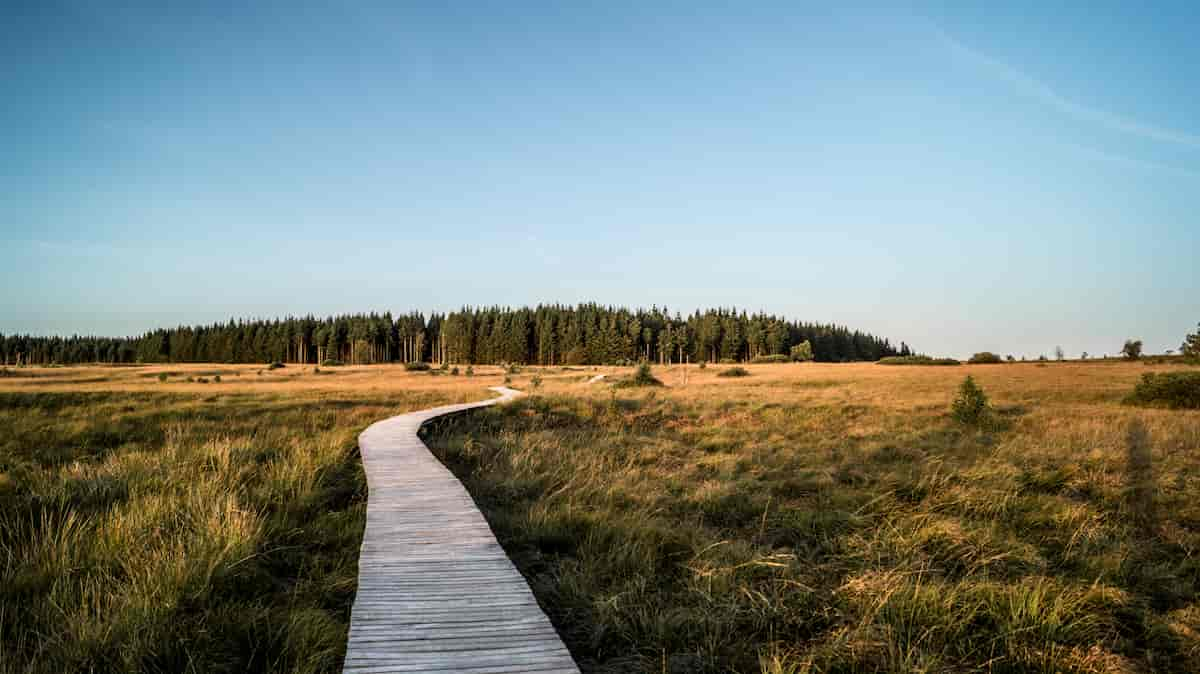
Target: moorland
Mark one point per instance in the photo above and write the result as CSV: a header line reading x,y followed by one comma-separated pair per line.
x,y
802,517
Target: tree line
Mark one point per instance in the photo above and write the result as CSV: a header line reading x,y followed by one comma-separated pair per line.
x,y
586,334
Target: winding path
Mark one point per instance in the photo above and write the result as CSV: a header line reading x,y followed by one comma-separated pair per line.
x,y
436,592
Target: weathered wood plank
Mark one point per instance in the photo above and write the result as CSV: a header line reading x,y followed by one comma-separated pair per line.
x,y
436,592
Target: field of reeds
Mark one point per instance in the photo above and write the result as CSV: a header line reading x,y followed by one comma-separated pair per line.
x,y
176,526
803,517
839,518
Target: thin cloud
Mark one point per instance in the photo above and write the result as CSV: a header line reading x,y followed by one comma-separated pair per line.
x,y
1144,164
1052,98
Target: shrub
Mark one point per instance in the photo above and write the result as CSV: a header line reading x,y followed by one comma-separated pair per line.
x,y
985,357
316,370
535,382
734,372
202,380
329,362
217,378
703,364
773,358
191,380
444,366
1173,390
507,380
802,351
454,371
276,366
916,360
971,406
416,366
470,371
162,376
642,376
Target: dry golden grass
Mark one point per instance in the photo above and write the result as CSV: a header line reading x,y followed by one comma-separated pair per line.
x,y
807,517
823,517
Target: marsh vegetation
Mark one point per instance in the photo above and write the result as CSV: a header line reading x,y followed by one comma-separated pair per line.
x,y
887,519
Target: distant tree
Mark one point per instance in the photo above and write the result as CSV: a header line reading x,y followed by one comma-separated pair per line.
x,y
1132,349
1191,344
1010,358
1084,356
1058,353
802,351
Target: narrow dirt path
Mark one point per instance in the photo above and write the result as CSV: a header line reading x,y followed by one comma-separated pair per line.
x,y
436,592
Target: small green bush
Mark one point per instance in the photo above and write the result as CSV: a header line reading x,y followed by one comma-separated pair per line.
x,y
507,380
642,376
201,380
470,371
971,407
703,364
535,382
802,352
329,362
986,358
416,366
916,360
454,371
162,376
192,380
1173,390
444,366
734,372
217,378
773,358
276,366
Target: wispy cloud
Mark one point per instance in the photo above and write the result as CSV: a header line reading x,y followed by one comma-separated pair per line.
x,y
1051,98
1131,162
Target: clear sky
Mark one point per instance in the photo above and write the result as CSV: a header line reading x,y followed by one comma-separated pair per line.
x,y
998,176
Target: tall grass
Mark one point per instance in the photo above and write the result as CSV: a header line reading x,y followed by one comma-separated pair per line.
x,y
153,532
801,530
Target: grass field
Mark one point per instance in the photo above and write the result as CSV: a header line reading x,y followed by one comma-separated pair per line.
x,y
834,518
174,526
802,518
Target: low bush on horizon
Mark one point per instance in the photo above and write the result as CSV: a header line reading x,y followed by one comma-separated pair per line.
x,y
1173,390
276,366
773,358
417,366
985,358
734,372
329,362
916,360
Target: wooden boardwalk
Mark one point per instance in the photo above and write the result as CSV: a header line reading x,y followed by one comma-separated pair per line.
x,y
436,592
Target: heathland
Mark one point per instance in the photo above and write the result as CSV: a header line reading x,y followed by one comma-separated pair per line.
x,y
804,517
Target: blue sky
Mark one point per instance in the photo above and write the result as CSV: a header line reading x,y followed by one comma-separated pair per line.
x,y
963,178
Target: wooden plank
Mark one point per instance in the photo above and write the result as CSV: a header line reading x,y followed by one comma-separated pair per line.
x,y
436,592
